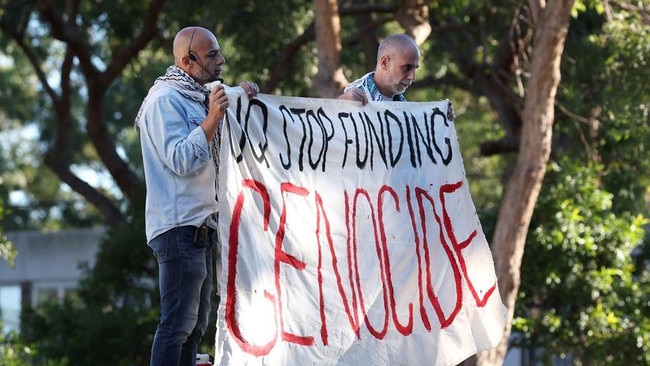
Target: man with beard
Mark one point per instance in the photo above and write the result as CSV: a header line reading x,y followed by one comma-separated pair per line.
x,y
180,124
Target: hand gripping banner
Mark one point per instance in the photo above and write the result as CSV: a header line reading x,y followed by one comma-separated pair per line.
x,y
349,237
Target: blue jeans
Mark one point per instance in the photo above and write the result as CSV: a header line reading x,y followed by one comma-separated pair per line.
x,y
185,280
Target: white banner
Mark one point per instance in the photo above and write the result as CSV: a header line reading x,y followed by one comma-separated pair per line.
x,y
349,237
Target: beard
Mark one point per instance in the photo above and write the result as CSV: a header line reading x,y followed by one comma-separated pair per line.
x,y
399,85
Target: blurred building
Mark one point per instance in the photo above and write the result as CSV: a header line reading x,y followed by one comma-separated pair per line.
x,y
47,267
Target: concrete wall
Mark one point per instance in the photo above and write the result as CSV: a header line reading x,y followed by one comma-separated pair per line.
x,y
53,256
46,268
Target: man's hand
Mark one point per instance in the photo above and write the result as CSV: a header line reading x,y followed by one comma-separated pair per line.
x,y
451,114
355,95
251,89
216,111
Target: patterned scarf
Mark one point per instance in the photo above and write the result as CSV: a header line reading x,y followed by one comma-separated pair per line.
x,y
183,83
375,94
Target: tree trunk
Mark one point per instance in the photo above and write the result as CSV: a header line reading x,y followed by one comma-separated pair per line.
x,y
329,80
58,158
551,23
413,16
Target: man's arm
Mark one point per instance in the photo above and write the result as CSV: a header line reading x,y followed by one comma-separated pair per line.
x,y
355,95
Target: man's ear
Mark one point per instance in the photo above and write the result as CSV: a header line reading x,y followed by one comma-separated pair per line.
x,y
383,61
185,61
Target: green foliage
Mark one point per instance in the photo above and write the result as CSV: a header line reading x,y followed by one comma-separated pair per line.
x,y
626,126
254,36
83,335
113,318
14,352
581,295
25,129
132,281
7,250
585,274
474,124
606,79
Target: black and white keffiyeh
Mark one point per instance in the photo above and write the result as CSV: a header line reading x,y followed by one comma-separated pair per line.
x,y
183,83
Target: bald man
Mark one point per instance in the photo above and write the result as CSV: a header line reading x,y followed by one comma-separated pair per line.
x,y
179,124
398,57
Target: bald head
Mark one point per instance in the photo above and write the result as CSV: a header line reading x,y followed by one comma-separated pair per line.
x,y
197,52
190,39
397,44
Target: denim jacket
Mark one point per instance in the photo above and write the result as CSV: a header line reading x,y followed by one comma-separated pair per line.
x,y
180,174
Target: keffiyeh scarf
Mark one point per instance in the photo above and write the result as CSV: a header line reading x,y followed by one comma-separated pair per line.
x,y
367,82
183,83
